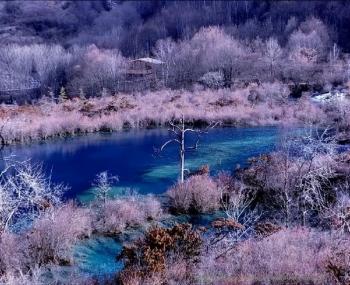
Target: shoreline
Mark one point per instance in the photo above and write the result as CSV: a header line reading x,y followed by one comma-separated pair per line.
x,y
127,129
48,120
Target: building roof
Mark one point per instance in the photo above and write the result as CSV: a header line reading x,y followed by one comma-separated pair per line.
x,y
149,60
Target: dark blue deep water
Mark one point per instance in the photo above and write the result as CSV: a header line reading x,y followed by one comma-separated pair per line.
x,y
130,155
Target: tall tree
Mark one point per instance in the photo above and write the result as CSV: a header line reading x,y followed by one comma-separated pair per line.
x,y
178,132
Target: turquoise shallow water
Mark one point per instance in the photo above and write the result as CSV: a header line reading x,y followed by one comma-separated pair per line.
x,y
97,256
130,155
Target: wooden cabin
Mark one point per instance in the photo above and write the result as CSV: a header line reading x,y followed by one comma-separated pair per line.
x,y
143,73
144,67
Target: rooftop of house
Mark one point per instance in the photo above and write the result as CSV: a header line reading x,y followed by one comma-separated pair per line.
x,y
149,60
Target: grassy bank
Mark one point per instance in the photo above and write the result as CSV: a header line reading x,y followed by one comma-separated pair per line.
x,y
266,104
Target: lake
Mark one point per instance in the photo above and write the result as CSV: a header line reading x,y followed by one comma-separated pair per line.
x,y
131,156
75,161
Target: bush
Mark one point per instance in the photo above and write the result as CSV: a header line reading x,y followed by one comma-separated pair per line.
x,y
213,79
290,256
116,215
53,236
338,260
49,242
12,254
199,194
149,257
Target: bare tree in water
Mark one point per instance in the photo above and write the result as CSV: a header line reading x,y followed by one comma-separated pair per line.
x,y
178,132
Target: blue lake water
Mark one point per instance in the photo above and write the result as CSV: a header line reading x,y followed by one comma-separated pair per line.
x,y
130,155
75,161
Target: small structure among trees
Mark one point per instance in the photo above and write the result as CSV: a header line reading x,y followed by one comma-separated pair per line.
x,y
144,73
142,67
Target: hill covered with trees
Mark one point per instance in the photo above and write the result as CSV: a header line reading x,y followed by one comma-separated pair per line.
x,y
86,46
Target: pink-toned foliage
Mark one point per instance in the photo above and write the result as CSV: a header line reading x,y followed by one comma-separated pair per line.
x,y
198,193
115,215
47,119
52,237
290,256
25,256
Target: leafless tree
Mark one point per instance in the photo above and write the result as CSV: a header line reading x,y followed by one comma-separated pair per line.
x,y
339,213
165,51
178,132
2,139
25,192
302,169
273,52
236,202
237,205
334,54
103,184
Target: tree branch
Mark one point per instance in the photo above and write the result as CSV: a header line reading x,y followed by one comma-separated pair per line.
x,y
168,142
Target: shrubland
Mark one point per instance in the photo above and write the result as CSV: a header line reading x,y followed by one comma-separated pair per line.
x,y
39,230
286,210
285,218
286,221
255,105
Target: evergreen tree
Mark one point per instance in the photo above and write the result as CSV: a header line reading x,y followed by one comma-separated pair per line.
x,y
63,95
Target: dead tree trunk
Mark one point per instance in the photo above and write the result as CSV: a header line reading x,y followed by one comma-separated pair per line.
x,y
182,152
179,132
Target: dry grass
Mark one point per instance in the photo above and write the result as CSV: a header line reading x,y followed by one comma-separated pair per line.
x,y
115,215
291,256
47,119
198,194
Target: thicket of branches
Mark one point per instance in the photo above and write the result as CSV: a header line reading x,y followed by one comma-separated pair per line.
x,y
216,43
135,26
286,209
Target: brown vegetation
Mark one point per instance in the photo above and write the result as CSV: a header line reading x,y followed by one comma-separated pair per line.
x,y
150,258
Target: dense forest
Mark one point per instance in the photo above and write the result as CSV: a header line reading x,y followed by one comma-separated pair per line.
x,y
86,46
134,27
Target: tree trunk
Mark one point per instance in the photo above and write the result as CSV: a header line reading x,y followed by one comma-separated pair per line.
x,y
182,152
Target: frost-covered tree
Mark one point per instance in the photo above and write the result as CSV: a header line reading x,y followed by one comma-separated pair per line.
x,y
103,183
25,192
273,53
